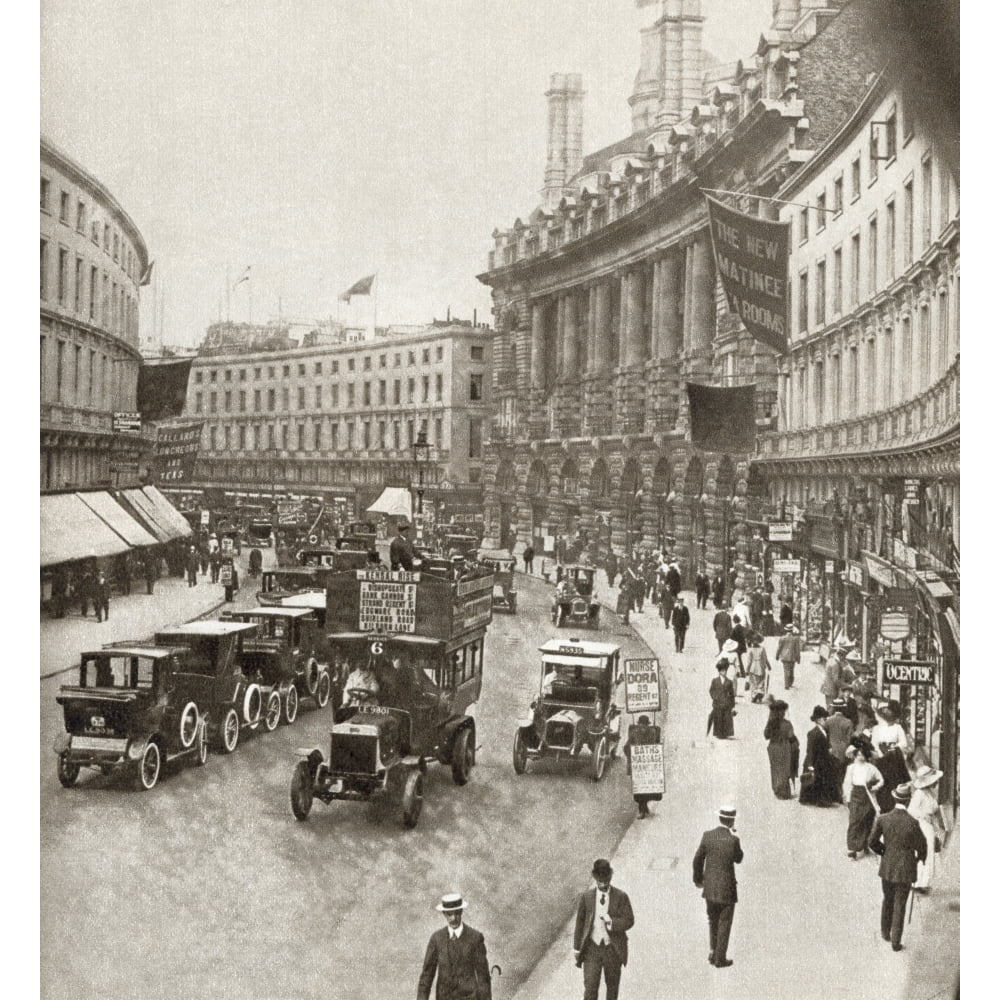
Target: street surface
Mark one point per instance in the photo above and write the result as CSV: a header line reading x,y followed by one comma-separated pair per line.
x,y
207,886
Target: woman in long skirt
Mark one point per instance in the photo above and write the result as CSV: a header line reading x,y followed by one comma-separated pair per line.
x,y
782,750
720,720
925,810
861,781
818,784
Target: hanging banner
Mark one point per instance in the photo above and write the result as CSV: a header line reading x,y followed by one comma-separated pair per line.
x,y
751,257
176,452
722,419
162,388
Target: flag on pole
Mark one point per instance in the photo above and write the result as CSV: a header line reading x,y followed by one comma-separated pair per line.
x,y
363,286
246,277
722,419
147,274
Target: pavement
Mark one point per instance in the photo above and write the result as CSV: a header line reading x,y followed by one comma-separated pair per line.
x,y
137,615
807,920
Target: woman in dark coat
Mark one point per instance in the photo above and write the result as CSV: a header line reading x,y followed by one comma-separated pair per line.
x,y
720,721
782,750
820,788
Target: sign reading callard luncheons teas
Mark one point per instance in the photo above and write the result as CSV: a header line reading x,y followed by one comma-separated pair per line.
x,y
751,257
177,451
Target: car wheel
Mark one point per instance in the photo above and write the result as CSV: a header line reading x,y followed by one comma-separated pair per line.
x,y
291,705
252,705
201,754
599,759
322,694
148,767
68,773
301,793
312,676
189,725
413,799
229,731
462,756
272,713
520,754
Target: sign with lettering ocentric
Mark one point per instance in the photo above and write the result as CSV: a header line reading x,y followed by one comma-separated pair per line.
x,y
751,257
915,672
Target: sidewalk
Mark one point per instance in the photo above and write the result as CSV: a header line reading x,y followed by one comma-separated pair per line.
x,y
137,616
807,923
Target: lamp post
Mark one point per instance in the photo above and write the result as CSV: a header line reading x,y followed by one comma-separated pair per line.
x,y
421,455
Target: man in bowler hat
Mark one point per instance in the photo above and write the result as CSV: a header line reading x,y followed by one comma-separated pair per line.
x,y
600,941
401,552
896,835
457,954
715,874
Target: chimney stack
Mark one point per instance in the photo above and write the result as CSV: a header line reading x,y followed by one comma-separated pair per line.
x,y
564,155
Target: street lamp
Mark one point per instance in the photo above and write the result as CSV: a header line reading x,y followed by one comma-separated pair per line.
x,y
421,455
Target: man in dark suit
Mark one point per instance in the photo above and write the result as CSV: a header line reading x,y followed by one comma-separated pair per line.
x,y
680,620
896,835
715,874
600,941
457,953
401,548
722,625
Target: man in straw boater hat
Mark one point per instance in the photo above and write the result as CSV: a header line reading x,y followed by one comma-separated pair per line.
x,y
457,954
715,874
789,652
600,939
897,837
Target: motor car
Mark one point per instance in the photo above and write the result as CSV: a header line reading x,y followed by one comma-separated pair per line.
x,y
260,534
461,543
504,591
286,658
129,709
574,600
211,676
575,707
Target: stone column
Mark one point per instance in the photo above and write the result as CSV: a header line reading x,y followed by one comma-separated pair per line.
x,y
624,298
602,328
655,324
688,298
538,345
671,335
702,295
592,328
560,318
633,333
570,353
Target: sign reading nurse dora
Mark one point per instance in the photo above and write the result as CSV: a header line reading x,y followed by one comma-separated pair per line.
x,y
751,256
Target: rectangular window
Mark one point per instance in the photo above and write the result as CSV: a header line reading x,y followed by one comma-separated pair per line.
x,y
397,391
945,179
90,377
256,400
302,369
873,146
908,222
44,194
270,371
271,440
427,355
78,285
396,360
197,402
381,435
318,368
335,396
213,375
114,245
368,363
77,354
927,194
60,356
334,367
381,392
440,352
820,212
286,371
317,436
43,269
838,281
350,364
227,401
855,286
366,436
228,375
478,353
243,400
891,130
803,225
439,432
243,437
302,437
243,374
81,213
439,386
890,240
256,437
410,388
213,402
62,275
872,254
302,397
476,437
285,398
426,387
350,394
95,233
212,438
856,179
284,437
107,238
412,358
271,399
104,300
475,388
367,394
92,303
381,361
821,293
803,301
838,194
226,437
318,397
409,434
256,373
64,207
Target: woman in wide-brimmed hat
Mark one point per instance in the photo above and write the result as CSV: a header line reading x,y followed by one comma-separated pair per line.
x,y
818,786
925,810
861,781
782,750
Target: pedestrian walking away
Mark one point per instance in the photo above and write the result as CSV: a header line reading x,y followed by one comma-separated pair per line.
x,y
723,694
718,591
192,567
739,636
456,954
861,781
611,568
715,874
642,734
529,559
758,667
680,621
839,732
102,597
925,810
600,939
896,836
722,625
817,785
666,604
782,750
789,652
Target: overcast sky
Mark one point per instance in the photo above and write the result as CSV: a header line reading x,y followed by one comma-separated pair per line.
x,y
321,140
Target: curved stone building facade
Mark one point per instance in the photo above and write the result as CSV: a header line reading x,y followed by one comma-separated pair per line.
x,y
92,259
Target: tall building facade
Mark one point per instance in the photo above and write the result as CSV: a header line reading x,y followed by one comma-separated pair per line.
x,y
340,420
606,301
91,261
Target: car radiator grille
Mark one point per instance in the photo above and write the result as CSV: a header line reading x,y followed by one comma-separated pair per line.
x,y
559,734
353,754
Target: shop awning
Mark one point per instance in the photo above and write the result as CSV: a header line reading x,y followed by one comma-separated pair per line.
x,y
71,530
144,512
117,518
395,502
167,512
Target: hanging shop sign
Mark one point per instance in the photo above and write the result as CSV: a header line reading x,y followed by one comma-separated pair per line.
x,y
903,554
779,532
126,422
787,566
911,491
856,574
881,572
917,673
894,625
828,567
642,685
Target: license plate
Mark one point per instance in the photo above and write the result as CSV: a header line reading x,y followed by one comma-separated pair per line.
x,y
97,723
97,743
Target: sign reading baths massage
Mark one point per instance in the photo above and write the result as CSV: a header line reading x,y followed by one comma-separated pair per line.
x,y
751,256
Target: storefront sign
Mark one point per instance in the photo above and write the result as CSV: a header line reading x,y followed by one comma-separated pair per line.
x,y
176,452
894,625
226,574
919,673
856,574
647,768
880,571
206,516
126,422
779,532
911,491
903,554
787,566
828,567
642,685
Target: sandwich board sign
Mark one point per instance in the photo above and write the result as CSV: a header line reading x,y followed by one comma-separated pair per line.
x,y
647,768
642,685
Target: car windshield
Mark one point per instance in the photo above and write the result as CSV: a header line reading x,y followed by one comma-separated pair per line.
x,y
556,674
270,627
126,672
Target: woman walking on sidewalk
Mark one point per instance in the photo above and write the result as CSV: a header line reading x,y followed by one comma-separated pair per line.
x,y
860,783
818,785
758,667
782,750
925,810
720,719
891,743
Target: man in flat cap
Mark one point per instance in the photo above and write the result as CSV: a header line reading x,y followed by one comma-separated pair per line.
x,y
457,954
896,835
600,941
715,874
